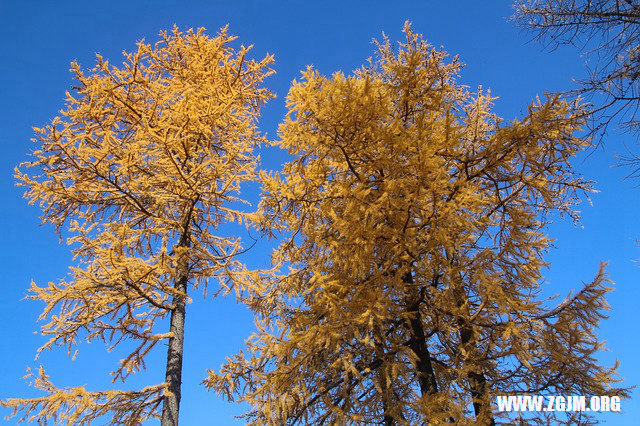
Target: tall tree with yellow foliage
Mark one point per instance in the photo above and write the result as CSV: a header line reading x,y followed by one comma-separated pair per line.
x,y
417,239
141,168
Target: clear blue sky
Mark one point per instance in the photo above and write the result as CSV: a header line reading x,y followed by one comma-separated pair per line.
x,y
38,39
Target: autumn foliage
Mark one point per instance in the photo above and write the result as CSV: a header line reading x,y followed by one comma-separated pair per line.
x,y
412,272
142,167
412,225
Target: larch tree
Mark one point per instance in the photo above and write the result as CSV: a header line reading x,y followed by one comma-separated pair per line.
x,y
416,222
141,168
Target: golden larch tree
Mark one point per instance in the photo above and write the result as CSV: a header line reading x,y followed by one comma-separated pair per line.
x,y
141,168
417,237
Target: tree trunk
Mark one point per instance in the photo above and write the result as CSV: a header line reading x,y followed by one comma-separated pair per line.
x,y
418,342
477,380
387,401
171,404
383,378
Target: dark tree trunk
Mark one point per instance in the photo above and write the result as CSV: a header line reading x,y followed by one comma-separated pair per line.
x,y
418,343
478,385
383,378
171,404
386,399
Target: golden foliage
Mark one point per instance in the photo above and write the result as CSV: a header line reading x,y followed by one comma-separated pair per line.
x,y
142,166
78,407
417,224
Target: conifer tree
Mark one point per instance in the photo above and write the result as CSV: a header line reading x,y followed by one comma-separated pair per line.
x,y
141,168
417,238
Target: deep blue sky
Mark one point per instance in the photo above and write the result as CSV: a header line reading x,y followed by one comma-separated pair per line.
x,y
38,39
